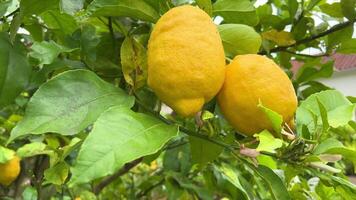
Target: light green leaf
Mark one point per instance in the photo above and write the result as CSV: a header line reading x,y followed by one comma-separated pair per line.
x,y
275,118
6,154
69,103
14,70
326,145
45,52
201,147
36,7
239,39
33,149
274,182
137,9
231,175
57,174
71,6
206,6
119,136
267,142
59,22
339,110
237,12
281,38
348,46
333,10
4,5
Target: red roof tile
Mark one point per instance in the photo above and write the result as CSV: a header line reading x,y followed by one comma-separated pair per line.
x,y
342,62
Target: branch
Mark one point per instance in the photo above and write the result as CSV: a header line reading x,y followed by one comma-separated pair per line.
x,y
126,168
145,192
9,15
306,55
311,38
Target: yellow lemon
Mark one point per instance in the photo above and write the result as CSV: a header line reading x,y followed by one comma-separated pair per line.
x,y
251,79
9,171
186,61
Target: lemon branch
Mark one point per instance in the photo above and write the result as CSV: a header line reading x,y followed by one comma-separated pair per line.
x,y
311,38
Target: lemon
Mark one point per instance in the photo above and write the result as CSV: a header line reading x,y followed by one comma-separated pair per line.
x,y
9,171
186,61
251,79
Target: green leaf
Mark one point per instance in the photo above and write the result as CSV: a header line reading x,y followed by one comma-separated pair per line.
x,y
4,5
119,136
275,118
339,110
312,3
231,175
69,103
45,52
137,9
239,39
237,12
346,153
201,147
6,154
309,72
281,38
14,70
333,10
206,6
30,193
57,174
339,36
275,184
292,8
177,159
323,115
267,142
348,8
134,62
33,149
36,7
326,145
71,6
59,22
348,47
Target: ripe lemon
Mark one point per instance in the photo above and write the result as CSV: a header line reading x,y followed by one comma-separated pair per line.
x,y
186,61
9,171
248,80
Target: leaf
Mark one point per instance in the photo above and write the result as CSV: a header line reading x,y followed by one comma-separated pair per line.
x,y
239,39
275,184
59,22
119,136
339,110
340,36
6,154
309,72
36,7
71,6
14,70
4,5
46,52
281,38
134,62
57,174
292,8
137,9
348,47
333,10
231,175
206,6
177,159
323,115
275,118
69,103
348,9
33,149
201,147
237,12
312,3
326,145
267,142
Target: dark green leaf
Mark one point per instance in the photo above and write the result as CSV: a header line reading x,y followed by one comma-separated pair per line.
x,y
119,136
348,46
14,70
309,72
68,104
334,9
349,9
36,7
206,6
137,9
57,174
201,147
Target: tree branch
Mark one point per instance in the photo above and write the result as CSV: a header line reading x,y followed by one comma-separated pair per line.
x,y
306,55
313,37
126,168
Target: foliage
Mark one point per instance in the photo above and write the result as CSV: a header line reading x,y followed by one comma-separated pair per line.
x,y
86,125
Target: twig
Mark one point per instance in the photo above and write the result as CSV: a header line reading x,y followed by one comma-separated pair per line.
x,y
126,168
143,193
9,15
311,38
306,55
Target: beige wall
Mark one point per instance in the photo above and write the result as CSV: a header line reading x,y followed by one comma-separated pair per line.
x,y
344,81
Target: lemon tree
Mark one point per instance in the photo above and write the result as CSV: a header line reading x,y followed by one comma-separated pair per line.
x,y
175,99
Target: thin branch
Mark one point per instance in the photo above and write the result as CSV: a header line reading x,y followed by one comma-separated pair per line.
x,y
306,55
145,192
313,37
126,168
9,15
